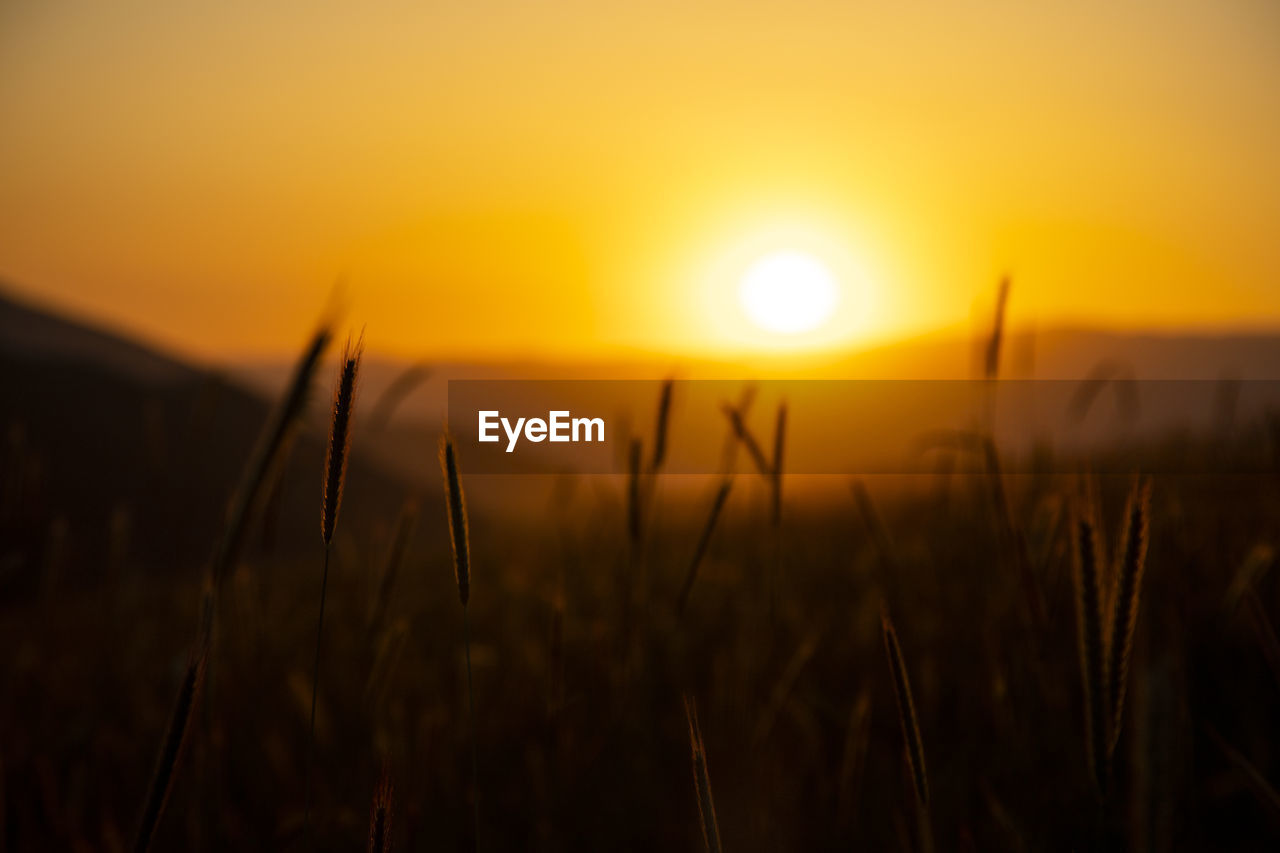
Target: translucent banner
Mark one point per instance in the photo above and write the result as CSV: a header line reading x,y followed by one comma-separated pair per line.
x,y
865,426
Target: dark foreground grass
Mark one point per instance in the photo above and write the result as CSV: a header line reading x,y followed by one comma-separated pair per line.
x,y
91,673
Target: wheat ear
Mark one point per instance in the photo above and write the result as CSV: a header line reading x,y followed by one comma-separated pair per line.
x,y
1092,645
1124,612
334,479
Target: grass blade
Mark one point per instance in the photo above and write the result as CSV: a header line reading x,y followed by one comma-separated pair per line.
x,y
906,708
172,748
702,780
456,508
704,542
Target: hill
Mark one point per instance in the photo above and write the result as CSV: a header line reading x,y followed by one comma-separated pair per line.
x,y
112,447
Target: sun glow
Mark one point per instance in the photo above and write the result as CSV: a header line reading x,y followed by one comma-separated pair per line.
x,y
804,284
789,292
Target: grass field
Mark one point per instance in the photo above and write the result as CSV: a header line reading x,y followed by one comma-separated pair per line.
x,y
583,661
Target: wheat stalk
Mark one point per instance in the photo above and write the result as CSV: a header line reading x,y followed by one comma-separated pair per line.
x,y
400,538
380,815
729,453
783,687
702,780
747,439
875,526
775,474
1255,566
456,508
1262,630
460,542
853,758
1092,644
906,708
991,362
335,476
704,542
281,422
1013,540
391,397
172,748
635,519
1124,611
661,428
265,456
390,647
1262,789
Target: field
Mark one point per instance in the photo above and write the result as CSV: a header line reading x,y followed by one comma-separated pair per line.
x,y
582,657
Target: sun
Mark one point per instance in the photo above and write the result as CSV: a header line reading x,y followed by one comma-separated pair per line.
x,y
788,292
786,286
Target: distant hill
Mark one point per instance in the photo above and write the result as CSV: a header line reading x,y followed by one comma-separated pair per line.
x,y
36,336
1067,353
107,444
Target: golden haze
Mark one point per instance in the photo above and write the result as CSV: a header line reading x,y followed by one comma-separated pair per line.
x,y
564,178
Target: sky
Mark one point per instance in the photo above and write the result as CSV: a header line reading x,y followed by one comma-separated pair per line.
x,y
574,179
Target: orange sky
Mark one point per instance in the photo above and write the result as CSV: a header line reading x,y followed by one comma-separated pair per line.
x,y
575,178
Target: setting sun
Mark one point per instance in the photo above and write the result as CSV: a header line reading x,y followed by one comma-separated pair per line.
x,y
805,280
789,292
